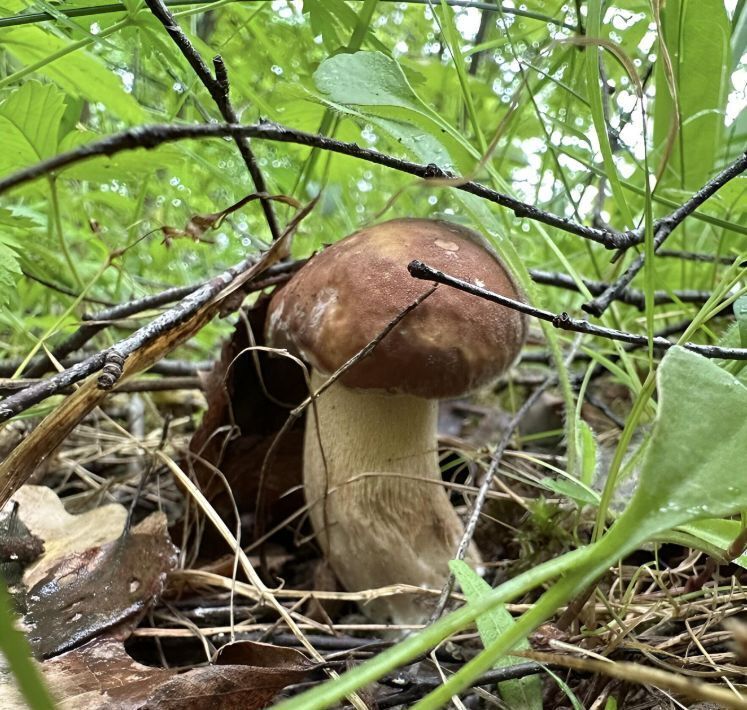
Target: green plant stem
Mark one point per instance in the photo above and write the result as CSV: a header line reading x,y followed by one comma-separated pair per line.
x,y
57,218
631,424
17,653
594,90
325,695
585,571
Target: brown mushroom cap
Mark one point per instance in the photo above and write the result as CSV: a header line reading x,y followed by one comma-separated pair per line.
x,y
451,344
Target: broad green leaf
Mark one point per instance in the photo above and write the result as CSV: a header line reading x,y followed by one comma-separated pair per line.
x,y
79,73
376,88
523,693
694,465
697,35
29,121
366,79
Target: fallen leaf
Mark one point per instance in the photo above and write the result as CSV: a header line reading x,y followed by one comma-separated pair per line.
x,y
102,675
90,578
44,514
236,395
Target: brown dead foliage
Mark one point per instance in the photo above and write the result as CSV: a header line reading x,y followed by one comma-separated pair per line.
x,y
246,410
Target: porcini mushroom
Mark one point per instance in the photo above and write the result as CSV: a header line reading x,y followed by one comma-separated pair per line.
x,y
371,471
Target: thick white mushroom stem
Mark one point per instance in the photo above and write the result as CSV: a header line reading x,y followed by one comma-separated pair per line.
x,y
378,506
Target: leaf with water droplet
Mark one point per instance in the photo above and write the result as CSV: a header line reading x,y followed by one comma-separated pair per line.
x,y
365,79
694,466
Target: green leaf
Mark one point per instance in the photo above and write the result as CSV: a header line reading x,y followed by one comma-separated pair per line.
x,y
366,79
10,271
694,465
717,532
78,73
587,450
29,122
523,693
697,35
572,489
373,87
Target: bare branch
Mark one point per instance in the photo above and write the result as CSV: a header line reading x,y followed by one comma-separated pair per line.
x,y
149,137
563,321
218,87
20,401
662,229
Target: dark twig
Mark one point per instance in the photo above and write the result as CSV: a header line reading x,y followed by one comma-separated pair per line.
x,y
169,368
21,401
152,136
143,384
63,289
218,88
33,17
545,358
96,322
631,297
662,229
563,321
415,688
695,256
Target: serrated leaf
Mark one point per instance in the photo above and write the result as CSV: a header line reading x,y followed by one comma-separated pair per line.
x,y
523,693
29,122
78,73
10,271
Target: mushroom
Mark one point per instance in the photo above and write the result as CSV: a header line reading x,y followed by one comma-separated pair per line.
x,y
371,470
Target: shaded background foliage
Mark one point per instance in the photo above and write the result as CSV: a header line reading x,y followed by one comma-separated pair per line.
x,y
439,88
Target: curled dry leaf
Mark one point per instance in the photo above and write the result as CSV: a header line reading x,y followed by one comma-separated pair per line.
x,y
63,534
90,577
200,223
101,675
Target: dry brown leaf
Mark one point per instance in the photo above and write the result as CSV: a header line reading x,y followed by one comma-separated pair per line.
x,y
90,578
236,395
63,534
200,223
102,675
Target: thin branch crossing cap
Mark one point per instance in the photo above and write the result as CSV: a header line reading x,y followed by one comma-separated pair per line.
x,y
451,344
